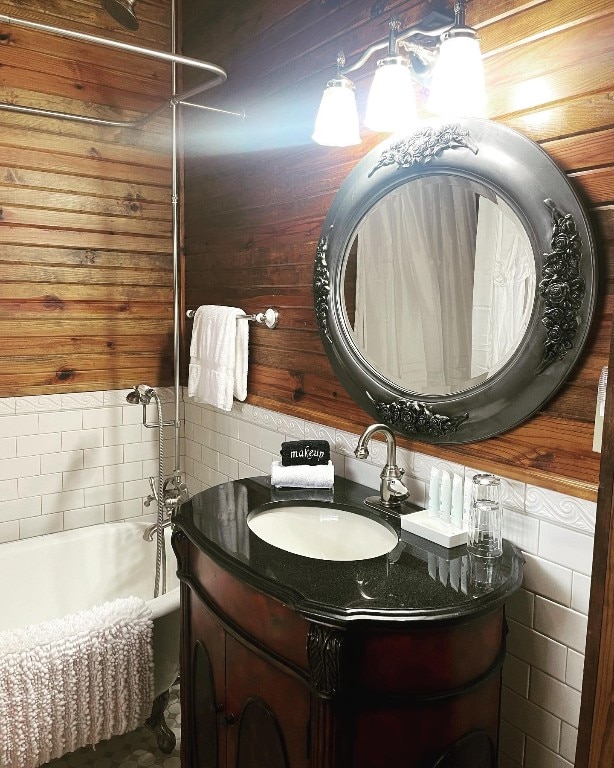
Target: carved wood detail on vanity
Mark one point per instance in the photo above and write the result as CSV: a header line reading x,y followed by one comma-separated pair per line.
x,y
324,648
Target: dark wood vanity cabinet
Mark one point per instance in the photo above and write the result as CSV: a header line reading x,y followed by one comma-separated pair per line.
x,y
263,687
294,662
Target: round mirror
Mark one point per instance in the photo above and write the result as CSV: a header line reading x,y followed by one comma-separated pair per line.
x,y
455,281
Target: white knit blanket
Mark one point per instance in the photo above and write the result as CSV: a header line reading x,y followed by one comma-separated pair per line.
x,y
73,681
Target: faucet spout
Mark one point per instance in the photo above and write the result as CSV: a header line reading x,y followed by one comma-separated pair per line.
x,y
392,489
150,531
362,448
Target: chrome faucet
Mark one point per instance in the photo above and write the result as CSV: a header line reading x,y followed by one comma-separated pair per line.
x,y
392,489
174,493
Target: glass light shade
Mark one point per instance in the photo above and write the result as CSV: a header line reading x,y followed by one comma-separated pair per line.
x,y
457,84
337,119
391,106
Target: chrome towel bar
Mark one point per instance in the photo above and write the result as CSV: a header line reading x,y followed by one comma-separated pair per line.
x,y
269,317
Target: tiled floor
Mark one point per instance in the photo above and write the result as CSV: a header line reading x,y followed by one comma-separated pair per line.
x,y
137,749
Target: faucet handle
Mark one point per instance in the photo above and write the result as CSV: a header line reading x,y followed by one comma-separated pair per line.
x,y
398,490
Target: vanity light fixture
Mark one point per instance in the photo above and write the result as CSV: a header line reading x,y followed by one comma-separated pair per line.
x,y
446,59
337,119
457,82
391,106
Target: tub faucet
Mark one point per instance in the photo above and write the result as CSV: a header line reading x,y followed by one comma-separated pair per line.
x,y
174,493
150,531
392,489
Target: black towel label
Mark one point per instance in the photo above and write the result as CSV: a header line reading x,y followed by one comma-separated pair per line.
x,y
310,452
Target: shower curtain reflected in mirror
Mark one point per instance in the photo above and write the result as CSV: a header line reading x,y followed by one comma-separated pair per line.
x,y
444,284
504,287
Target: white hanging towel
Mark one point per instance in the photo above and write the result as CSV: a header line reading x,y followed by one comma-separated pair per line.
x,y
218,356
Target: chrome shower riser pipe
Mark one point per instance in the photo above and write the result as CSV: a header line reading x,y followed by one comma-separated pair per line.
x,y
176,233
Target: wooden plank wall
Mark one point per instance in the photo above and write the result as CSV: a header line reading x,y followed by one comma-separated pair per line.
x,y
85,222
257,193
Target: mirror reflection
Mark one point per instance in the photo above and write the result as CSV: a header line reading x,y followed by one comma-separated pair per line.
x,y
439,284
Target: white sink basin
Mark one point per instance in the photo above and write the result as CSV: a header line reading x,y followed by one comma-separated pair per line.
x,y
324,533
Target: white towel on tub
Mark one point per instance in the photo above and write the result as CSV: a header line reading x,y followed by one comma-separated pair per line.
x,y
218,356
71,682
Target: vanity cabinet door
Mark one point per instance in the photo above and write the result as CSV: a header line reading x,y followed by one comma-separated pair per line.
x,y
206,720
271,708
242,710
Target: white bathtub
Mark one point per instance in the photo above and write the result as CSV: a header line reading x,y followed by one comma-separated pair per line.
x,y
47,577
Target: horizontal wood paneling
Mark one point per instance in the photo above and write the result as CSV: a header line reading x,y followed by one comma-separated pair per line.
x,y
86,296
257,193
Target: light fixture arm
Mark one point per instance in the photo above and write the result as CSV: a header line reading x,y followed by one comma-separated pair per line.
x,y
344,70
398,36
434,33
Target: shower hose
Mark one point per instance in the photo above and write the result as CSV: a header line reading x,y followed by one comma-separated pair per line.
x,y
160,582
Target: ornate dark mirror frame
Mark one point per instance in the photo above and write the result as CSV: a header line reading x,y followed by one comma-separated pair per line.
x,y
523,175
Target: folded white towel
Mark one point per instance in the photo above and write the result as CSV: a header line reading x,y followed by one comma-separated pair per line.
x,y
218,356
302,475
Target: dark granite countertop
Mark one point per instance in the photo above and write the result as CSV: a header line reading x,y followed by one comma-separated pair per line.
x,y
418,581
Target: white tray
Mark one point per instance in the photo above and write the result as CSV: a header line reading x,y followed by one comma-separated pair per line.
x,y
433,529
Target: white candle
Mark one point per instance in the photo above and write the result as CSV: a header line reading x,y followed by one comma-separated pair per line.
x,y
457,500
445,499
433,506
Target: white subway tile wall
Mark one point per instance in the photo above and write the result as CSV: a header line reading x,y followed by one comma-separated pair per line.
x,y
79,459
542,675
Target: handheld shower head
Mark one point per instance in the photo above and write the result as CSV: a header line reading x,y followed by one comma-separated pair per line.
x,y
141,394
133,397
123,12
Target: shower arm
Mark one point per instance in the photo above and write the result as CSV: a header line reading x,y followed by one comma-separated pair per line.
x,y
173,58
